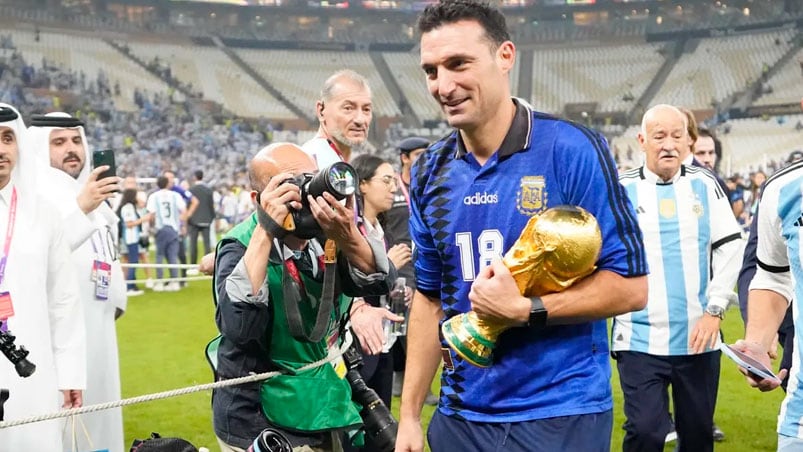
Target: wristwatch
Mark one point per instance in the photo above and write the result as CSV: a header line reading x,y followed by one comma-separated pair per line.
x,y
538,314
715,311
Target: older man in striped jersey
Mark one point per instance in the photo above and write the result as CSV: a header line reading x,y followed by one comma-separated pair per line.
x,y
693,246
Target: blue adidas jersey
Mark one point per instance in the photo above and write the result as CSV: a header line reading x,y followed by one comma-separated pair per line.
x,y
464,215
780,269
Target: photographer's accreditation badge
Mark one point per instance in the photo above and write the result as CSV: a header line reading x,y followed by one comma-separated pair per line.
x,y
6,307
103,281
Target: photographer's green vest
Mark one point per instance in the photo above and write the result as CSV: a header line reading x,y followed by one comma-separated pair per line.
x,y
312,400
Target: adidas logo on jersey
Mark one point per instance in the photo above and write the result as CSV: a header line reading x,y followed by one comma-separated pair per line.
x,y
481,198
799,222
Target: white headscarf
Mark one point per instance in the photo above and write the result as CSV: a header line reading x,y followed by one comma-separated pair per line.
x,y
24,175
61,185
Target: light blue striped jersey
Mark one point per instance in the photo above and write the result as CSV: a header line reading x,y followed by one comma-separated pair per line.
x,y
129,213
167,206
780,219
694,249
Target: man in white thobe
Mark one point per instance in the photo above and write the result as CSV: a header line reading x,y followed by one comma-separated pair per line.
x,y
39,301
92,228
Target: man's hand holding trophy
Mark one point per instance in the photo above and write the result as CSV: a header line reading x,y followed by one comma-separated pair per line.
x,y
556,249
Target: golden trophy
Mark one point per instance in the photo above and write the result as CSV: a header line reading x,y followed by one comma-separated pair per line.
x,y
556,249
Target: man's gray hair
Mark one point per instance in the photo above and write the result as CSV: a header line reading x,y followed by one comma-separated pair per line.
x,y
331,82
650,112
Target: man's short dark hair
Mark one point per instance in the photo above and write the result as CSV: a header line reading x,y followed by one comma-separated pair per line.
x,y
199,175
161,182
704,132
451,11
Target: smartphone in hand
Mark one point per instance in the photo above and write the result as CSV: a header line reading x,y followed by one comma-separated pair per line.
x,y
756,370
104,157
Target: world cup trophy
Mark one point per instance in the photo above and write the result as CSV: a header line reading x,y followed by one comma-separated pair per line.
x,y
556,249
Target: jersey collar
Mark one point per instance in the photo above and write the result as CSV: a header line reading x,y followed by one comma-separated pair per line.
x,y
648,175
518,136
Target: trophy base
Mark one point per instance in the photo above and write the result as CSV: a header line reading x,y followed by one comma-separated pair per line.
x,y
467,342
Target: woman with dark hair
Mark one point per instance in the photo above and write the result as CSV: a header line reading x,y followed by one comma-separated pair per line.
x,y
130,230
376,192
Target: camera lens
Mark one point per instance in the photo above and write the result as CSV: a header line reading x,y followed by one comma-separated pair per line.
x,y
339,179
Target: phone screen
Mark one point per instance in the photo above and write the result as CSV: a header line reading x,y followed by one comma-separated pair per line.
x,y
104,157
754,367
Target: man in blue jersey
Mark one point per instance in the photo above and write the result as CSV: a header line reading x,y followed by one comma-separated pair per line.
x,y
693,248
548,387
777,283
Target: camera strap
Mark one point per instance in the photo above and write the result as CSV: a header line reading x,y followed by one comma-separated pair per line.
x,y
292,286
275,229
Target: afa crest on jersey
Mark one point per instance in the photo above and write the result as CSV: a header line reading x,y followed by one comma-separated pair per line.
x,y
667,208
531,199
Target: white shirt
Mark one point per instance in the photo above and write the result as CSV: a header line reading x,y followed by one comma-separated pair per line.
x,y
780,257
321,151
48,320
167,205
129,213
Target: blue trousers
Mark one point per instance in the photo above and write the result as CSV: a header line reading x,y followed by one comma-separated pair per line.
x,y
581,433
167,245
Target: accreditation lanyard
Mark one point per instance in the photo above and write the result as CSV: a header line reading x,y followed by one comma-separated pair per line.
x,y
292,269
334,148
12,217
6,307
101,269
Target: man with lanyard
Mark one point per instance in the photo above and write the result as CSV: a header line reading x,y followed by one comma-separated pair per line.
x,y
262,273
95,262
344,113
39,301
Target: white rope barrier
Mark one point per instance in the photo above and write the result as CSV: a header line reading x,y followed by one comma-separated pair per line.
x,y
167,280
333,355
179,266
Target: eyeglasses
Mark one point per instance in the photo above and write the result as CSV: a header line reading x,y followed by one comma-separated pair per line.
x,y
389,180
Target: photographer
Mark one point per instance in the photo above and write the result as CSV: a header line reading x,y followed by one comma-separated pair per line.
x,y
258,273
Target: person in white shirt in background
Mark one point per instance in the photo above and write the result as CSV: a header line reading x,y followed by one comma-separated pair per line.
x,y
168,210
344,113
39,297
95,261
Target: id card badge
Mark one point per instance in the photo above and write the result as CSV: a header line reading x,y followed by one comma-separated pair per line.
x,y
6,307
103,281
95,266
340,367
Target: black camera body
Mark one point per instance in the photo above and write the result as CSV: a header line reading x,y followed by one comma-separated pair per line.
x,y
380,426
338,179
17,355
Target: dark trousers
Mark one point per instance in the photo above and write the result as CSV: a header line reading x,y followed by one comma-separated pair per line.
x,y
581,433
645,380
192,231
133,258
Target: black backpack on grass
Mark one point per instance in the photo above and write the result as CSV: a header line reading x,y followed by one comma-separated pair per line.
x,y
158,444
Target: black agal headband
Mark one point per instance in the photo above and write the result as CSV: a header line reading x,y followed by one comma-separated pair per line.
x,y
55,121
7,114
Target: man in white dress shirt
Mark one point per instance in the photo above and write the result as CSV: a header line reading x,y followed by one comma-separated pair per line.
x,y
39,301
95,261
344,113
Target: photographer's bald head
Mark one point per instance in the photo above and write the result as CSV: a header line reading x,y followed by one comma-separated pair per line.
x,y
275,159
